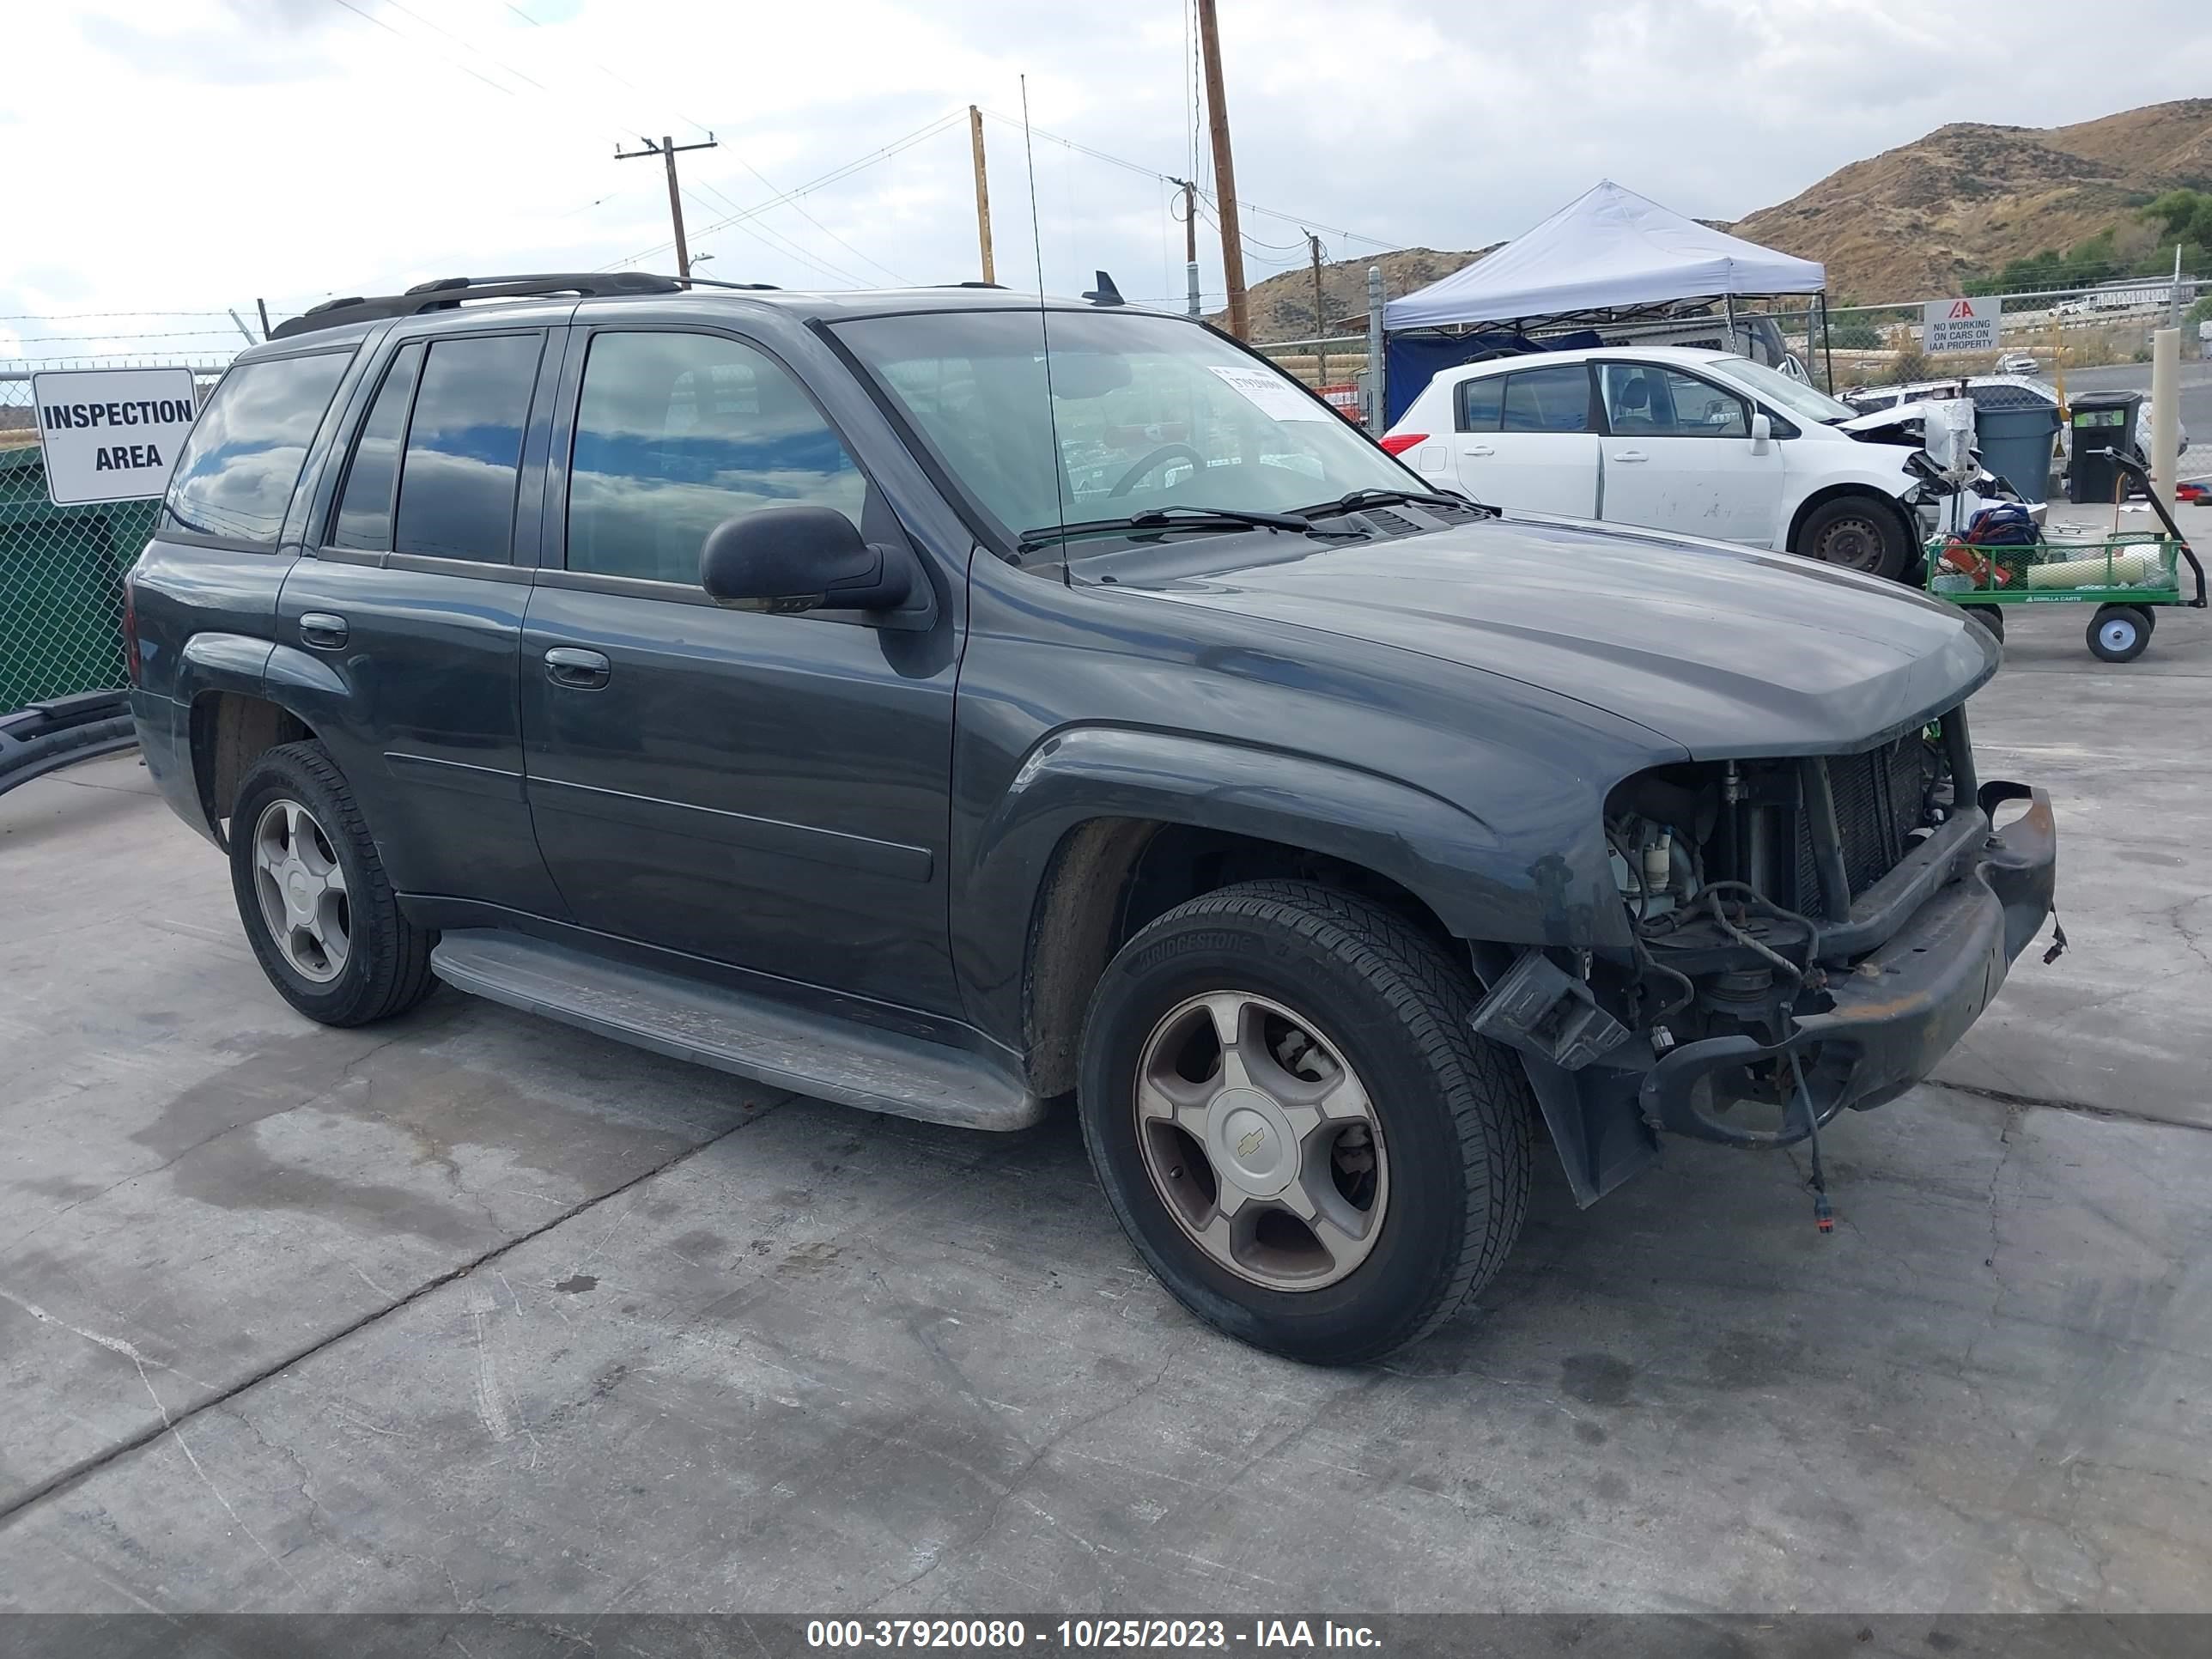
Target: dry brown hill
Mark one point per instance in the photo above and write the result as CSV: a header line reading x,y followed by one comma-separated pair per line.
x,y
1962,202
1282,307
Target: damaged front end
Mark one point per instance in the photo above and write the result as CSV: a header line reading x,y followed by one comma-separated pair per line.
x,y
1807,933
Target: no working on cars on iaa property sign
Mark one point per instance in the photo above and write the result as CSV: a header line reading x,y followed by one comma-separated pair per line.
x,y
110,434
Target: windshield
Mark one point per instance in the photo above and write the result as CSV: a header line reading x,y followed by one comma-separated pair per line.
x,y
1148,412
1778,388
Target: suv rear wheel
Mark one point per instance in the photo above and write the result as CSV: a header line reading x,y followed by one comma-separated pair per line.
x,y
1294,1124
1859,533
312,893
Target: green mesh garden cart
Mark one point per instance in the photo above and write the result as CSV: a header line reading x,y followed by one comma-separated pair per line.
x,y
2130,576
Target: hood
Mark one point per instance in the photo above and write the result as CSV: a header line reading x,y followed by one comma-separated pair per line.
x,y
1725,651
1904,424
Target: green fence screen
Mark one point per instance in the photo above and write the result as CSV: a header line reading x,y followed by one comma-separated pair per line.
x,y
61,583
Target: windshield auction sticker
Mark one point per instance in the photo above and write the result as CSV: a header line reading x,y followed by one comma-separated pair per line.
x,y
1273,395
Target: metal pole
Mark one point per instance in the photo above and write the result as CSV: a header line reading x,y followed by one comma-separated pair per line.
x,y
983,192
1224,169
242,328
262,306
1728,306
1320,320
1375,406
1190,244
1828,351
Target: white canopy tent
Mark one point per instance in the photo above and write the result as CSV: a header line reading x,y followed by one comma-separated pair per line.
x,y
1608,250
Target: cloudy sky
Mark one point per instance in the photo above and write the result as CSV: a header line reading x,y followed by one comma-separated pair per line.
x,y
190,155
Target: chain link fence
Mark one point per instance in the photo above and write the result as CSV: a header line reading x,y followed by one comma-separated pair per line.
x,y
61,568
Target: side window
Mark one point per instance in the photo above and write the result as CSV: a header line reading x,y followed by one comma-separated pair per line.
x,y
1480,403
1644,399
364,519
236,476
1549,399
676,433
464,448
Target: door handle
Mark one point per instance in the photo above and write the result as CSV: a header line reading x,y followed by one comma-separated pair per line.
x,y
579,669
1627,455
323,630
1476,449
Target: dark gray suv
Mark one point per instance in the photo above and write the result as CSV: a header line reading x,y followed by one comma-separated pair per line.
x,y
942,703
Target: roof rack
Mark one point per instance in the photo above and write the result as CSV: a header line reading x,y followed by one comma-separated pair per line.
x,y
446,293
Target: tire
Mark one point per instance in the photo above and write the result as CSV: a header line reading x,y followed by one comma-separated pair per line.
x,y
1990,616
312,894
2119,633
1448,1131
1858,532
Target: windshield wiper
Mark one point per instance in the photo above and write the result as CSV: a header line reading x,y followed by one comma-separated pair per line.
x,y
1357,499
1157,519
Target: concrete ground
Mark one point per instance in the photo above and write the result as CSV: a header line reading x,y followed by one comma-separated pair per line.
x,y
471,1311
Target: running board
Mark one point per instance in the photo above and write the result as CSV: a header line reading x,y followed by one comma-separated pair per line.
x,y
771,1042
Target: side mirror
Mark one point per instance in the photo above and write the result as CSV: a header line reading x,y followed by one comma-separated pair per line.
x,y
800,559
1762,432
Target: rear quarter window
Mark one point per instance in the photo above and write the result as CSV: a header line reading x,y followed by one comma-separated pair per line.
x,y
236,476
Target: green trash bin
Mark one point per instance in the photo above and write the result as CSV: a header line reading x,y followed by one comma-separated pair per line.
x,y
61,585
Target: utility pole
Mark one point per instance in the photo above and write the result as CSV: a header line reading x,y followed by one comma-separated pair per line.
x,y
1321,317
983,192
1224,170
668,150
1189,243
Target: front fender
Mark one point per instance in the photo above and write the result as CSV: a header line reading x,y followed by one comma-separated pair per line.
x,y
1537,885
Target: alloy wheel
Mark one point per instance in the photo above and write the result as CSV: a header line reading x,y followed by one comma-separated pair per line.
x,y
1261,1140
302,890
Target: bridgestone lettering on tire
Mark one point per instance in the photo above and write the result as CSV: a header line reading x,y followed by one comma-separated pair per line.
x,y
312,894
1346,1168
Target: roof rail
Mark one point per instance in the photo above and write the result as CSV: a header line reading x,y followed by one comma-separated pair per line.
x,y
446,293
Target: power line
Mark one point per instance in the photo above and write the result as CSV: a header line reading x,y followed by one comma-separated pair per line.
x,y
834,175
595,117
1128,166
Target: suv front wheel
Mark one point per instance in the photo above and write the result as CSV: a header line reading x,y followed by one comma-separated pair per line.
x,y
1295,1127
313,894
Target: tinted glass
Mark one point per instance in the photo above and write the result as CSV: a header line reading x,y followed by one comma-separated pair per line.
x,y
235,475
1127,411
1549,399
464,446
1481,403
1643,398
676,433
364,519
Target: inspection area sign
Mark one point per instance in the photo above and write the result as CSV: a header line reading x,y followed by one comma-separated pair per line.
x,y
1960,325
110,434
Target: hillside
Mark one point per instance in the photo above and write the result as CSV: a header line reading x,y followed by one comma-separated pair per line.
x,y
1282,307
1964,200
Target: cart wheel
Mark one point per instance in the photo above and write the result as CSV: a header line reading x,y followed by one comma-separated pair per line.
x,y
1990,616
2119,633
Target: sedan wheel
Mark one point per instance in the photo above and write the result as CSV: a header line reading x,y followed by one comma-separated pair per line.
x,y
1858,533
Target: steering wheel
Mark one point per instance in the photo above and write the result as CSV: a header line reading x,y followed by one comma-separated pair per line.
x,y
1164,452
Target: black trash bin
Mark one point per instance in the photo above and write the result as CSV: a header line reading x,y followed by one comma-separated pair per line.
x,y
2100,421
